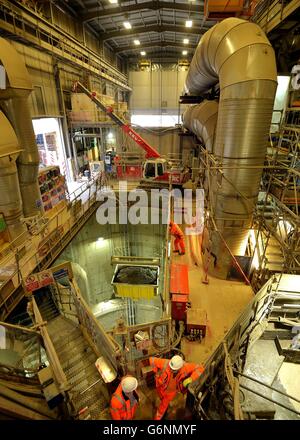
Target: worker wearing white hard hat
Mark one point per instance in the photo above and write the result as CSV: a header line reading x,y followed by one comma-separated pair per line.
x,y
176,363
125,399
129,384
172,376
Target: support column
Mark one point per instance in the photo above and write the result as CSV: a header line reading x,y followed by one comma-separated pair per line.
x,y
64,124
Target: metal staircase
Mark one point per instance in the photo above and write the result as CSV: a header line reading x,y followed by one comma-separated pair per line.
x,y
78,363
274,256
70,347
47,307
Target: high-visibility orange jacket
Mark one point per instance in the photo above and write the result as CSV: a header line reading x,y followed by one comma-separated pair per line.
x,y
163,374
176,231
121,407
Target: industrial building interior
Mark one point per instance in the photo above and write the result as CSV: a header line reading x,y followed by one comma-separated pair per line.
x,y
105,101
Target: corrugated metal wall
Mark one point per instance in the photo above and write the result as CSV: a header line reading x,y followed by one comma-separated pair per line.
x,y
40,69
156,91
74,28
43,100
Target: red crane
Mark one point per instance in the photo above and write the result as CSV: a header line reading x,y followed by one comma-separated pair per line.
x,y
155,167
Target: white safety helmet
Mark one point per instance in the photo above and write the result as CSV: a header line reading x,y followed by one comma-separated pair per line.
x,y
176,362
129,384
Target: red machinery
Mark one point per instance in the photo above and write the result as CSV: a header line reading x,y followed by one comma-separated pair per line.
x,y
195,319
221,9
155,168
179,290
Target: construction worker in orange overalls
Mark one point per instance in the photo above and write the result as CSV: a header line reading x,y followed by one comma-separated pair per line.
x,y
125,399
178,234
172,376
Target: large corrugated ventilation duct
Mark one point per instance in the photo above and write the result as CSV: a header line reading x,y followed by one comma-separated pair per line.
x,y
201,119
238,55
10,197
16,94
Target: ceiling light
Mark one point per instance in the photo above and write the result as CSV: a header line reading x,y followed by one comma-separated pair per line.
x,y
184,52
143,53
137,42
113,2
127,25
186,41
189,23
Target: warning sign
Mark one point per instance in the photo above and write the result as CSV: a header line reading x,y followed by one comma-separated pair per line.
x,y
46,278
37,280
32,283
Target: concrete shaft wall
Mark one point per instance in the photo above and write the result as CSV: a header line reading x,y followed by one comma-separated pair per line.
x,y
92,258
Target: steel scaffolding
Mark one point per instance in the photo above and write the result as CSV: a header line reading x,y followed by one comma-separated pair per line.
x,y
274,236
276,219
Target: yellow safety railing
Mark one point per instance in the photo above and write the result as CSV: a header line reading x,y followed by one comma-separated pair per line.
x,y
58,372
30,252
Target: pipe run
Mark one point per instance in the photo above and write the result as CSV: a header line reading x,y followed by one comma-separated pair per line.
x,y
10,197
14,98
201,119
238,55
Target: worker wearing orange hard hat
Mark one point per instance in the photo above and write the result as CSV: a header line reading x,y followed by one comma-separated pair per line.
x,y
172,376
176,232
125,399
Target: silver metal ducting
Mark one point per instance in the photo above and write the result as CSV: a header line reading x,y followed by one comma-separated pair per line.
x,y
28,161
201,119
238,55
10,197
16,94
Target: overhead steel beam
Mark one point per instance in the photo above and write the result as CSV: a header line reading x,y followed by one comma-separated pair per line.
x,y
58,43
158,44
157,57
139,7
153,28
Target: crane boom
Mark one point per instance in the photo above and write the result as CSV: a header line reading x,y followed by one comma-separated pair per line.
x,y
150,151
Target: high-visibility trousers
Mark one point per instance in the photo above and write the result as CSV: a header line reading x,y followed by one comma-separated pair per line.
x,y
179,245
166,398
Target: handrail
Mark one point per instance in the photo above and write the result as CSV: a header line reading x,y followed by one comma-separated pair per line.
x,y
101,342
165,293
43,248
20,327
50,350
18,371
132,259
94,329
247,281
20,239
273,12
62,43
